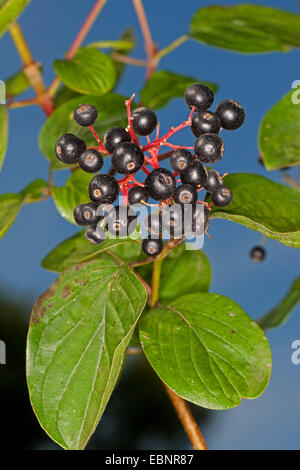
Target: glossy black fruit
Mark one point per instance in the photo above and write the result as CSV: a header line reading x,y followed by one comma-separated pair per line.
x,y
257,254
200,219
181,160
68,148
87,214
121,221
95,234
90,161
85,115
222,196
195,175
185,194
137,194
214,180
127,158
115,136
144,121
205,122
231,114
152,247
160,184
209,148
199,96
153,223
173,220
103,189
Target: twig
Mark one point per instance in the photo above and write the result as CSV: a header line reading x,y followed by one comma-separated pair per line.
x,y
129,60
171,46
157,265
149,44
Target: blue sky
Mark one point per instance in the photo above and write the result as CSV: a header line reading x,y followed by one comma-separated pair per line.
x,y
257,82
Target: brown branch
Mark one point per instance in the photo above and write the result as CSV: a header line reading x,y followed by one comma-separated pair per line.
x,y
129,60
149,44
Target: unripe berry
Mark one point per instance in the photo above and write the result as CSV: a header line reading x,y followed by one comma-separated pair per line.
x,y
144,121
137,194
115,136
231,114
127,158
181,160
160,184
90,161
68,148
103,189
209,148
257,254
213,181
85,115
95,234
205,122
152,247
185,194
222,196
200,96
196,175
86,214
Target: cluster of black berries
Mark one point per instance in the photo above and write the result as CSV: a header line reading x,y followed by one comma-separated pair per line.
x,y
128,156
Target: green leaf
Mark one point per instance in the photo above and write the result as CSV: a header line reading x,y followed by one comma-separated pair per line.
x,y
280,144
11,204
16,84
3,133
207,349
75,192
183,272
120,44
79,331
10,11
77,249
165,85
264,206
89,72
281,313
111,112
63,95
249,29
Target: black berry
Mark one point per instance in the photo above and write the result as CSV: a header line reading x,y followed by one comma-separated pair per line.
x,y
205,122
222,196
115,136
87,214
68,148
185,194
136,195
173,220
195,175
90,161
152,247
95,234
209,148
85,115
213,181
200,218
144,121
160,184
231,114
181,160
153,223
199,96
127,158
257,254
103,189
121,221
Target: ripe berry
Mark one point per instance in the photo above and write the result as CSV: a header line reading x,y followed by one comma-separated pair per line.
x,y
153,223
205,122
185,194
85,115
231,114
200,218
95,234
152,247
87,214
127,158
199,96
209,148
181,160
144,121
90,161
136,195
222,196
213,181
121,221
68,148
195,175
103,189
173,220
257,254
114,136
160,184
